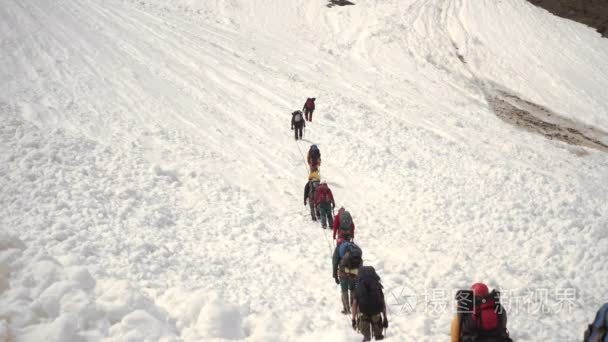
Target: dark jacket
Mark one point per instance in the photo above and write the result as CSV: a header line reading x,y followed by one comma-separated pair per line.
x,y
309,104
313,160
301,123
306,191
335,260
309,192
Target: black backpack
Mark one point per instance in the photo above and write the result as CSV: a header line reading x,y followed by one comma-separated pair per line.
x,y
315,153
368,291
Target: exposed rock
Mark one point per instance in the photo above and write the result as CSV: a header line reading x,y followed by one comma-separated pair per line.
x,y
593,13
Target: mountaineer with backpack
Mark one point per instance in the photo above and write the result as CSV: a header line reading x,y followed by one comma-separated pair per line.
x,y
480,317
309,193
369,308
346,262
309,107
343,226
314,158
297,122
324,201
598,330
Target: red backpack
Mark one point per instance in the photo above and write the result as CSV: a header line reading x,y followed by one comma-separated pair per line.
x,y
323,194
481,317
310,103
485,314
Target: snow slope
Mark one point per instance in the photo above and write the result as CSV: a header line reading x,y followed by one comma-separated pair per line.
x,y
151,188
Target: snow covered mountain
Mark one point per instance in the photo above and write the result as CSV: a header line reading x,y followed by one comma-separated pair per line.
x,y
152,189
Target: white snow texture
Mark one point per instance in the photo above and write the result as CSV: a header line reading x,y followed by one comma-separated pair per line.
x,y
151,189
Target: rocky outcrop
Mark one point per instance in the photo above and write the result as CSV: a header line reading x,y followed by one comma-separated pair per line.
x,y
593,13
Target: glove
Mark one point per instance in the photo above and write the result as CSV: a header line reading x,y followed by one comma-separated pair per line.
x,y
292,128
354,324
385,323
337,280
304,202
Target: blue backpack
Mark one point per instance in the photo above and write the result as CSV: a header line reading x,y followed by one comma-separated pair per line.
x,y
351,255
598,330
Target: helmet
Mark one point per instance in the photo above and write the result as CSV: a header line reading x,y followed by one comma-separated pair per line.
x,y
314,147
480,289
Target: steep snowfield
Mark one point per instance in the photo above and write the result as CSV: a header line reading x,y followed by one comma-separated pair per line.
x,y
151,187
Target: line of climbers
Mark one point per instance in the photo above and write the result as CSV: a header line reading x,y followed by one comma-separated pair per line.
x,y
480,316
361,293
361,289
298,119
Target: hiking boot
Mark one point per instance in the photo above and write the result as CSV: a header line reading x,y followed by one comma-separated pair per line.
x,y
324,227
379,337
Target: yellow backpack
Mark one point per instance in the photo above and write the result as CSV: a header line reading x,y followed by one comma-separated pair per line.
x,y
314,175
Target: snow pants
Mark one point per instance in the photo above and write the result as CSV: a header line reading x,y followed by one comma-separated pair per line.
x,y
298,131
313,210
326,217
308,114
347,284
369,324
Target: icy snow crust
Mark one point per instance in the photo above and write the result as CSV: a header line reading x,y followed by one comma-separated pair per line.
x,y
152,190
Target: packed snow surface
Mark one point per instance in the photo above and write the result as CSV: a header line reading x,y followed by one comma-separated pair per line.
x,y
152,189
